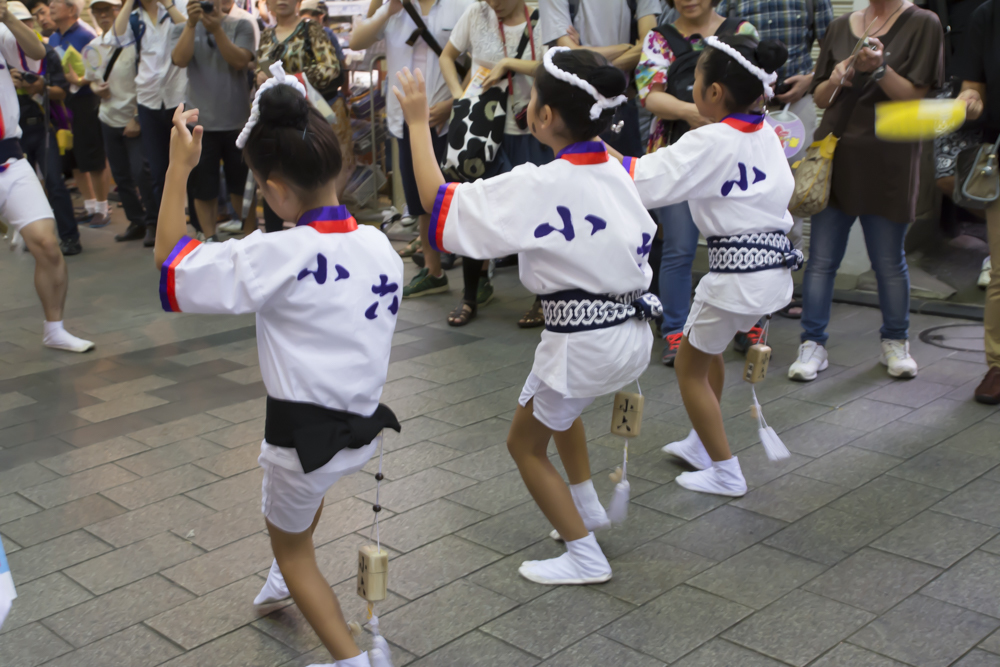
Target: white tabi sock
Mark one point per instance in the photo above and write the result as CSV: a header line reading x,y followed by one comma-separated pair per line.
x,y
589,505
101,207
692,450
274,589
56,336
724,478
90,206
356,661
583,563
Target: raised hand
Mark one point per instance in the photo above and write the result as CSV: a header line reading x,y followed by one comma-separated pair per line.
x,y
413,97
185,145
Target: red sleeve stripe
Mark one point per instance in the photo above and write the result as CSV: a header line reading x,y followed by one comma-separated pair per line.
x,y
168,297
629,164
442,204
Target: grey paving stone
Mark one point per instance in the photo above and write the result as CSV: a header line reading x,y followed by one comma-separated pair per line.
x,y
914,394
170,456
979,439
503,577
678,501
720,653
243,648
406,386
181,429
444,615
31,645
125,389
137,646
641,526
13,507
798,628
91,434
828,536
925,632
477,649
78,485
849,467
241,412
484,464
510,531
136,561
495,495
557,619
789,498
759,470
597,651
338,560
479,408
56,554
723,532
125,528
973,583
471,438
993,546
342,517
428,568
889,500
949,415
848,655
944,468
222,528
991,643
649,571
979,659
675,623
977,501
45,525
115,611
238,434
872,580
118,407
900,439
23,477
758,576
232,461
427,523
937,539
13,399
231,491
43,597
400,463
93,456
220,612
952,372
816,438
160,486
419,429
865,414
223,566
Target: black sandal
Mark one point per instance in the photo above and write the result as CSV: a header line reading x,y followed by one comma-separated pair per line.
x,y
533,318
787,310
464,313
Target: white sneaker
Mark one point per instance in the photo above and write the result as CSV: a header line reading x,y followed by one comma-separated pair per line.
x,y
231,227
812,359
691,450
583,563
274,589
984,274
724,478
594,516
896,355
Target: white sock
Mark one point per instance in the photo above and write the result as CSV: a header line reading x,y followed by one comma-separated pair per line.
x,y
274,588
356,661
583,563
724,478
101,207
589,505
57,337
90,205
691,450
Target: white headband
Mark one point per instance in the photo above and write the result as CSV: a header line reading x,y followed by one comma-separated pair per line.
x,y
767,79
602,102
278,78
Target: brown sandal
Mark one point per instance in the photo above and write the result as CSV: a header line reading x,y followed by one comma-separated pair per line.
x,y
411,248
533,318
464,313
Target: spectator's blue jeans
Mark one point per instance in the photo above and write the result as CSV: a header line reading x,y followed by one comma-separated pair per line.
x,y
680,241
827,244
156,125
49,160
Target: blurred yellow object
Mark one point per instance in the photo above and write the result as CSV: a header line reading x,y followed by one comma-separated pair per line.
x,y
918,120
65,140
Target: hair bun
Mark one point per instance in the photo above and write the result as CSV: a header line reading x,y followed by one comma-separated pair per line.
x,y
771,54
608,80
283,106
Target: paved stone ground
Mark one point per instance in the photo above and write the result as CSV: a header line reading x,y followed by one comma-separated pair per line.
x,y
129,502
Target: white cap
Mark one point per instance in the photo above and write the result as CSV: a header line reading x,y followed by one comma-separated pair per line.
x,y
113,3
309,6
18,10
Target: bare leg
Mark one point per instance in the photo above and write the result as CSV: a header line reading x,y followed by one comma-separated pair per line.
x,y
527,443
84,185
250,216
101,182
701,377
296,557
432,258
51,277
208,212
572,447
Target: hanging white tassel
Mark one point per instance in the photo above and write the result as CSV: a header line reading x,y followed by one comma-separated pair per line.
x,y
380,655
618,509
773,446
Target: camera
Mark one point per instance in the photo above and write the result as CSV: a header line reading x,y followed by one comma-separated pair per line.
x,y
28,77
782,88
207,7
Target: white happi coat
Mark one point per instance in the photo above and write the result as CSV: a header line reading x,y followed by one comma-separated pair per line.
x,y
575,224
325,293
736,179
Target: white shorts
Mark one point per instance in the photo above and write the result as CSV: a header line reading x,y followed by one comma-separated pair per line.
x,y
22,199
711,330
290,497
550,407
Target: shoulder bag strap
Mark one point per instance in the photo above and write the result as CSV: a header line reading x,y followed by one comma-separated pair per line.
x,y
111,63
424,33
675,40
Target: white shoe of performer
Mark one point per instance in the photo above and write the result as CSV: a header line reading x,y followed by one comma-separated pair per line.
x,y
594,516
274,589
583,563
57,337
691,450
724,478
357,661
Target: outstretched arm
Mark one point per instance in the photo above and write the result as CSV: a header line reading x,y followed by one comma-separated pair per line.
x,y
413,100
25,36
185,151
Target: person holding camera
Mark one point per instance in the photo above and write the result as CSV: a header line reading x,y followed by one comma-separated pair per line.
x,y
217,50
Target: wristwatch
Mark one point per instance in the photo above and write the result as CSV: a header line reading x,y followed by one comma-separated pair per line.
x,y
879,73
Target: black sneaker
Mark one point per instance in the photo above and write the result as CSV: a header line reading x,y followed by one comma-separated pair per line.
x,y
71,247
133,233
150,239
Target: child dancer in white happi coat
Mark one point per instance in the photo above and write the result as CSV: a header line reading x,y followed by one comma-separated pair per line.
x,y
736,178
326,294
582,238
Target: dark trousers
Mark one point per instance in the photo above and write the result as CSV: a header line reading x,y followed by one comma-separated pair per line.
x,y
33,143
130,171
156,125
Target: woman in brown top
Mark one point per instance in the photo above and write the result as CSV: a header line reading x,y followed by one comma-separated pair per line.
x,y
872,180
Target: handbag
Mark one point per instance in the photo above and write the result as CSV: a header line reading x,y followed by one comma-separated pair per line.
x,y
813,173
977,176
476,128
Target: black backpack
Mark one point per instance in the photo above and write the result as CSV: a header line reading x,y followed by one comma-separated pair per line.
x,y
680,75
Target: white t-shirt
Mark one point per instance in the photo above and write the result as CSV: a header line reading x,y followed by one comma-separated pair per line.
x,y
120,108
478,33
159,83
10,111
599,22
396,31
736,179
576,224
